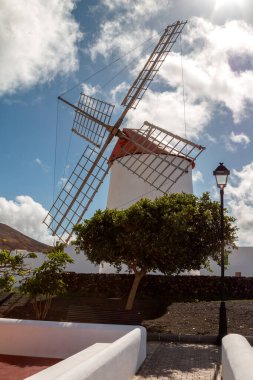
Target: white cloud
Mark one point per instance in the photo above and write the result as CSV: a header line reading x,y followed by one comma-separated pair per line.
x,y
128,26
218,66
118,91
115,38
240,138
240,202
156,108
232,141
142,8
62,182
43,166
210,138
197,176
229,147
25,215
232,9
37,41
90,90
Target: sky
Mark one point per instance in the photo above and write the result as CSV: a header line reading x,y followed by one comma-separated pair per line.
x,y
202,92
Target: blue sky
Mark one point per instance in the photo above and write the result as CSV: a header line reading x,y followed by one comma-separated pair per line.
x,y
49,47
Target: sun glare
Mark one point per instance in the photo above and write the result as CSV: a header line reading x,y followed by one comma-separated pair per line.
x,y
226,3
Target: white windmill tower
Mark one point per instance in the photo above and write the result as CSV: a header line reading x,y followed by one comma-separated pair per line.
x,y
166,169
153,155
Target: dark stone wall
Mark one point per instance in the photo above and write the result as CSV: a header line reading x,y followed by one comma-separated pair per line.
x,y
169,288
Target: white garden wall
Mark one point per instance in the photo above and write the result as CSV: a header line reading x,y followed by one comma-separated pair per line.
x,y
240,262
54,339
81,263
94,351
237,358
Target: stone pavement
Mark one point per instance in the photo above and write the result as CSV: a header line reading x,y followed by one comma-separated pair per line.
x,y
180,361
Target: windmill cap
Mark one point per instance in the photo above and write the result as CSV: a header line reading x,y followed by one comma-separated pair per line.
x,y
125,147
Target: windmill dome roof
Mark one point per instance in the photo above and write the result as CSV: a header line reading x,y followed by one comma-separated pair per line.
x,y
124,147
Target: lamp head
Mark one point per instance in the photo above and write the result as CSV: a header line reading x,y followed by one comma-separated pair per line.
x,y
221,174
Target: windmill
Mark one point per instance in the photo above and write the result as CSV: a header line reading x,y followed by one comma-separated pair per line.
x,y
153,154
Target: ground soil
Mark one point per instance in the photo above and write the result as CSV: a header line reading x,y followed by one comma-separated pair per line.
x,y
203,318
179,317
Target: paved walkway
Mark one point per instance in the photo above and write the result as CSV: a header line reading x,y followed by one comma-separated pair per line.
x,y
180,361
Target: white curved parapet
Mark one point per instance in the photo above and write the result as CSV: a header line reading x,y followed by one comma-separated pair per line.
x,y
91,351
237,358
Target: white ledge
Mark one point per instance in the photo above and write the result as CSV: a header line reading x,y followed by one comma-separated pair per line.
x,y
237,358
92,351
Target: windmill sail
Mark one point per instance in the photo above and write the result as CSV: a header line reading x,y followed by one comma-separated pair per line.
x,y
152,66
77,194
90,117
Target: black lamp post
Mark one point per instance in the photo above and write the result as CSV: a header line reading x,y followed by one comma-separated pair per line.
x,y
221,174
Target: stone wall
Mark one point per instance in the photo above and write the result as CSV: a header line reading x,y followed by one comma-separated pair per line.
x,y
172,288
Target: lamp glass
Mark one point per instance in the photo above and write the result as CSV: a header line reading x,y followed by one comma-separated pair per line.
x,y
221,180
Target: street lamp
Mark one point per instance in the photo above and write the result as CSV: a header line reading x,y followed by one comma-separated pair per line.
x,y
221,174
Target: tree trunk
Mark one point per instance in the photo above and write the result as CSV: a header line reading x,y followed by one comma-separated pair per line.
x,y
131,297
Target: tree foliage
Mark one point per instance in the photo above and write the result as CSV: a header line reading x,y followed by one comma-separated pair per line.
x,y
171,234
46,281
13,264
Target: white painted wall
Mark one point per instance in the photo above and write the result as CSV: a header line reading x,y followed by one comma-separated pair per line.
x,y
56,339
81,263
240,260
107,268
118,355
126,188
119,360
237,358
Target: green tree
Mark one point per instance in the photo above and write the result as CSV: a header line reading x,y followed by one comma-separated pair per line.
x,y
46,281
13,264
171,234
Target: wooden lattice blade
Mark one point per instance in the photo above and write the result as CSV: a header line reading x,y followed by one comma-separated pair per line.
x,y
152,66
92,129
77,194
155,155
